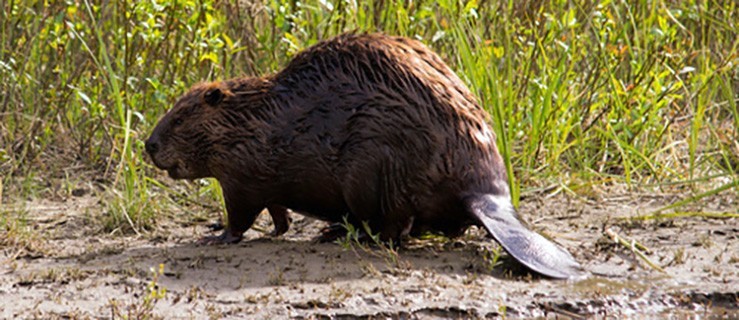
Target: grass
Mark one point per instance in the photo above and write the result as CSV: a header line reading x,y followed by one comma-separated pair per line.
x,y
581,94
17,232
143,307
363,238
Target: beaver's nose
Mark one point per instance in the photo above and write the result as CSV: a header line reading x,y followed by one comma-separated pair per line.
x,y
151,146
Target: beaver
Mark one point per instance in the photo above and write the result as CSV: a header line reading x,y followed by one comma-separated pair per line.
x,y
370,128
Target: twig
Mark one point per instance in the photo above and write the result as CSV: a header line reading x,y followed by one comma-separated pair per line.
x,y
683,214
635,247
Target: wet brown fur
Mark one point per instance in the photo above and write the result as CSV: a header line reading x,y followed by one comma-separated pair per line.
x,y
370,126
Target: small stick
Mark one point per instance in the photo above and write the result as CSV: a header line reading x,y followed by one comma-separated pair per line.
x,y
550,307
684,214
635,247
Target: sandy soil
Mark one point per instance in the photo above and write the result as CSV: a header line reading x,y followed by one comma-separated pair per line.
x,y
73,272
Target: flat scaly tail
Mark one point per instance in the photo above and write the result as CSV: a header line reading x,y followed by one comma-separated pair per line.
x,y
497,215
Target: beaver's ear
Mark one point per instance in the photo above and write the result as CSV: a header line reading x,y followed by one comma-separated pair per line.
x,y
213,97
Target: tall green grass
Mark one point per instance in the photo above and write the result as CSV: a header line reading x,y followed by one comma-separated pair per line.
x,y
581,94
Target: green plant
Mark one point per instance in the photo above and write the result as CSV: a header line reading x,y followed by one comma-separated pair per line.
x,y
356,238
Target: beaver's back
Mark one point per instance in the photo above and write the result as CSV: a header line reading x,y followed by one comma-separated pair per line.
x,y
403,70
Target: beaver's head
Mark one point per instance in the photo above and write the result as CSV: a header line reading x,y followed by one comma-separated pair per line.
x,y
182,142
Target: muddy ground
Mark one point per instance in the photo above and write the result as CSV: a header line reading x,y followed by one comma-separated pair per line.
x,y
70,271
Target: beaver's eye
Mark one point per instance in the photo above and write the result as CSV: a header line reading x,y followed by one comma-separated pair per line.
x,y
178,121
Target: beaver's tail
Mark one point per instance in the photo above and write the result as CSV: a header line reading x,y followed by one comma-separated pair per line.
x,y
497,215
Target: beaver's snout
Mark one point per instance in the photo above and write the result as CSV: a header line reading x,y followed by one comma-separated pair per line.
x,y
151,146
